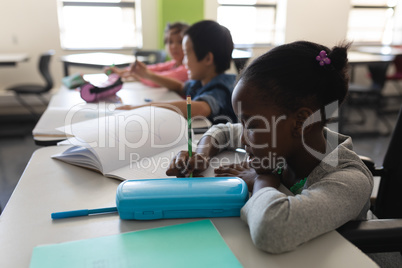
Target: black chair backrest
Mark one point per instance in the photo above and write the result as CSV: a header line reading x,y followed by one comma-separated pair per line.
x,y
388,203
378,73
44,63
152,56
398,64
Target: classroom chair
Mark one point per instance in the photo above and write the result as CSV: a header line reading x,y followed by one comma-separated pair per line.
x,y
151,56
396,77
385,233
36,89
371,97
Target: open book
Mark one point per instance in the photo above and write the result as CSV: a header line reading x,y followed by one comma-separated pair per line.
x,y
54,118
138,143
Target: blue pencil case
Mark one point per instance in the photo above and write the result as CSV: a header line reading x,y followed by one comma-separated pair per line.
x,y
181,198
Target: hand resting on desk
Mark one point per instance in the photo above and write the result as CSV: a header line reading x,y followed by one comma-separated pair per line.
x,y
241,170
182,166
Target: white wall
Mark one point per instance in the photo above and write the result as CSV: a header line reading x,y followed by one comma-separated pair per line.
x,y
320,21
32,27
210,9
27,27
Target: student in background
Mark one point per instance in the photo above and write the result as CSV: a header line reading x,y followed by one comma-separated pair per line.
x,y
161,74
284,99
208,50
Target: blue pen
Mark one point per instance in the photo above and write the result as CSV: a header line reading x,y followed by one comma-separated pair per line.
x,y
82,212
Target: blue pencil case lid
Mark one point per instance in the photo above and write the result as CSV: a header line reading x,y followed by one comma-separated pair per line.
x,y
149,199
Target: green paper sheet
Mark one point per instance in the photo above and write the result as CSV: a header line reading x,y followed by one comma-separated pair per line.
x,y
195,244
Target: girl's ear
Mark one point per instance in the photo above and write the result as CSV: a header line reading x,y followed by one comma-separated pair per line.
x,y
300,117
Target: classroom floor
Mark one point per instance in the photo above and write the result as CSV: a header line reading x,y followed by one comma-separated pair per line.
x,y
16,148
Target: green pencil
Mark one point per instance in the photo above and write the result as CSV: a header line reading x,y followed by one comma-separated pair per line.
x,y
190,141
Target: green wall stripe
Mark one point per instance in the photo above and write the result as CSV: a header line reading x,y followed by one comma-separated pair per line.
x,y
169,11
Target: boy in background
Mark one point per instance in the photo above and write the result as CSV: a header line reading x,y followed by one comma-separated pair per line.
x,y
207,48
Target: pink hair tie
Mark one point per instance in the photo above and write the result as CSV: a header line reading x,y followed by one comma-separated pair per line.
x,y
322,58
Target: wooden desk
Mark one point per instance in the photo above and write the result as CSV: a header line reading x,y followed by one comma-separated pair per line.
x,y
97,60
362,58
48,185
356,58
11,59
100,60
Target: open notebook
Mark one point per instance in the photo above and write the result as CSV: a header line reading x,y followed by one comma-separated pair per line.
x,y
55,118
132,144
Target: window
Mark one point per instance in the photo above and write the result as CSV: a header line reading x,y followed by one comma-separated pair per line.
x,y
251,22
100,24
372,21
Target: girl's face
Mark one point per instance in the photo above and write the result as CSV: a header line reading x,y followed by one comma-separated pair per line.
x,y
174,45
196,69
267,133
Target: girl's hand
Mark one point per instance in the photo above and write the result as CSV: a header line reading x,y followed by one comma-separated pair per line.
x,y
125,72
113,70
253,180
242,170
266,180
182,165
140,69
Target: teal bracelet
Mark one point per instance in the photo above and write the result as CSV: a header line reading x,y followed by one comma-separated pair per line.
x,y
279,171
298,186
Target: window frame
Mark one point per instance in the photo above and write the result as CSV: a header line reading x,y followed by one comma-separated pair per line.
x,y
134,4
255,45
367,7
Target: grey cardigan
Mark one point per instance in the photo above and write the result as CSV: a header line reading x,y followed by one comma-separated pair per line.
x,y
332,196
